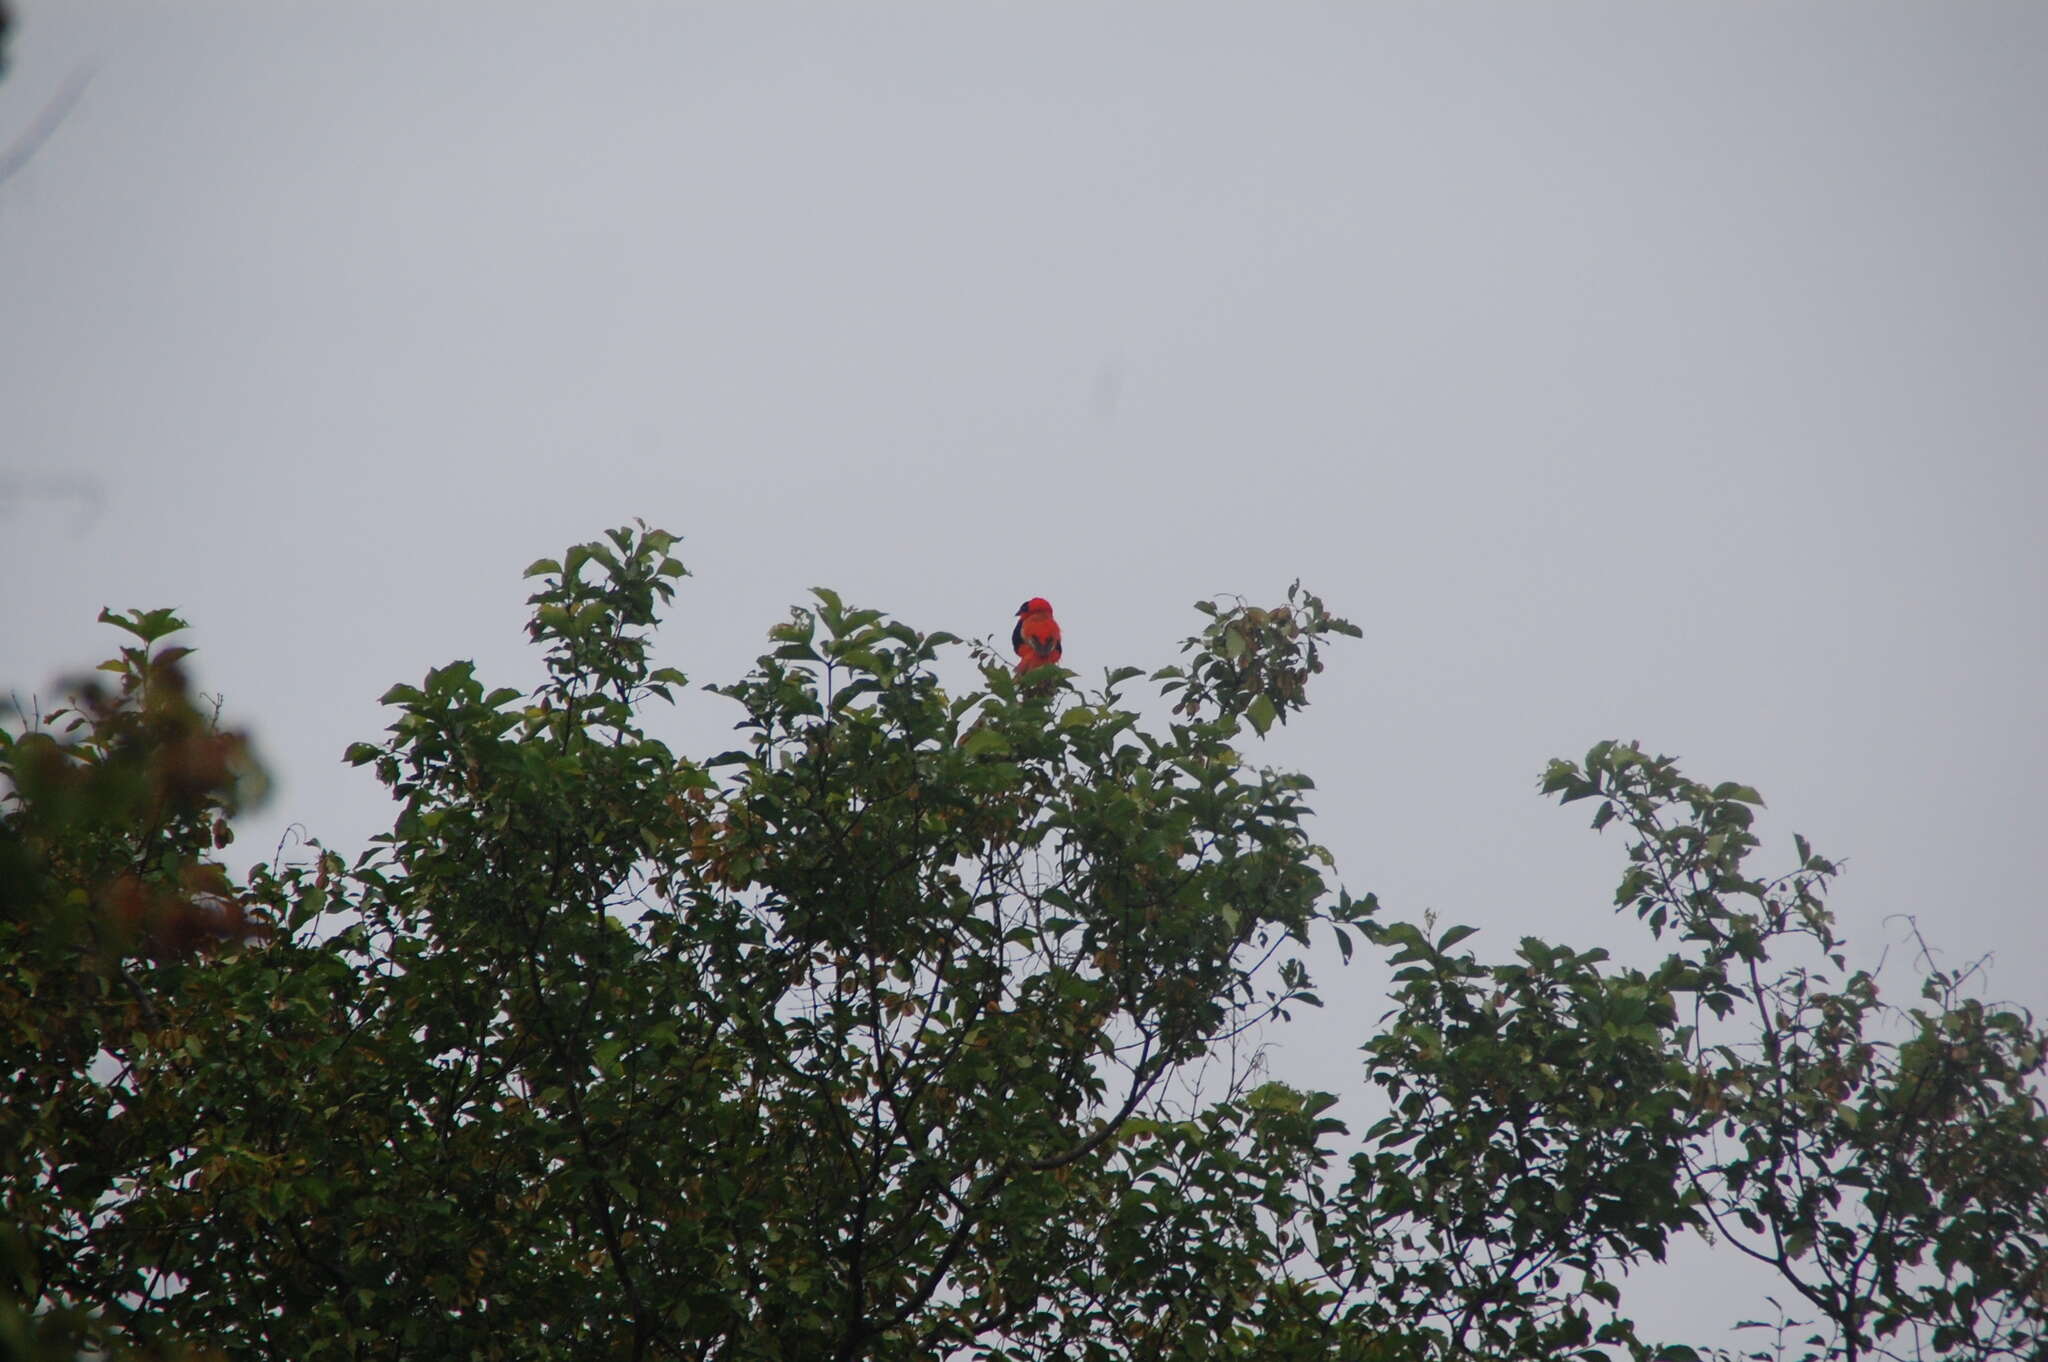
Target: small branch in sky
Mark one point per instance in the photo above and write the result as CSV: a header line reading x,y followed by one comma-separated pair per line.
x,y
47,122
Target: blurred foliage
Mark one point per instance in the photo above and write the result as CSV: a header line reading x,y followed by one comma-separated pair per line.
x,y
911,1027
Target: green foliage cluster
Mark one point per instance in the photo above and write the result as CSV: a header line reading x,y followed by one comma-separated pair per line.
x,y
908,1028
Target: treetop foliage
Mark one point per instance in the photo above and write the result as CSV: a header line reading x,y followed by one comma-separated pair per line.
x,y
915,1026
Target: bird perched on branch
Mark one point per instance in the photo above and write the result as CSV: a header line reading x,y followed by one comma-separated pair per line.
x,y
1037,635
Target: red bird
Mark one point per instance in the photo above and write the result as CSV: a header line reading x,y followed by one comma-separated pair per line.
x,y
1037,635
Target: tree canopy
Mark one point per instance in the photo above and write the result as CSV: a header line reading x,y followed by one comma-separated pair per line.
x,y
905,1030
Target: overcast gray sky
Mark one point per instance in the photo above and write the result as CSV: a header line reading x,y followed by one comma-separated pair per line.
x,y
1660,371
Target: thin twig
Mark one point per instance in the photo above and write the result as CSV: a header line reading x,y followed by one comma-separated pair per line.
x,y
46,124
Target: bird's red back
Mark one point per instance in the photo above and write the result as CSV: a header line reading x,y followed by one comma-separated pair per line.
x,y
1037,635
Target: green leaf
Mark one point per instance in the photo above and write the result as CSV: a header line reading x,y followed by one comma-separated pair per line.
x,y
147,625
1273,1096
985,742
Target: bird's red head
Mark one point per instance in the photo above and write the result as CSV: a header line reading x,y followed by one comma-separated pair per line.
x,y
1037,605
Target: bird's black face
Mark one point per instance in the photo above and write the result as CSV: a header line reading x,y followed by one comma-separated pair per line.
x,y
1024,609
